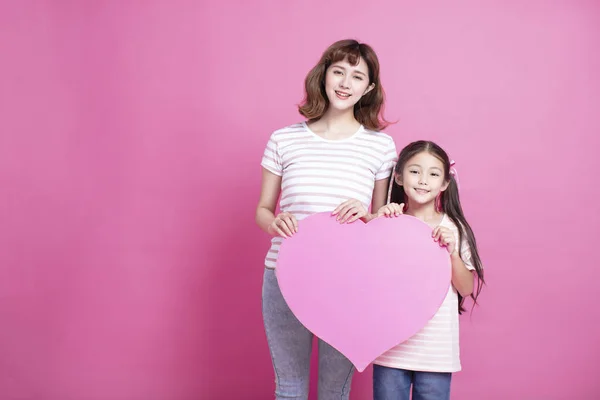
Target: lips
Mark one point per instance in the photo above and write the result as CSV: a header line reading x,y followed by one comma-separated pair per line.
x,y
421,191
342,95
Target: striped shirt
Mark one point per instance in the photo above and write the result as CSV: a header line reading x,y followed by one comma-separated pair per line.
x,y
318,174
434,348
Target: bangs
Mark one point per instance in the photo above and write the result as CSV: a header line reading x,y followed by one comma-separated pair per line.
x,y
315,102
350,53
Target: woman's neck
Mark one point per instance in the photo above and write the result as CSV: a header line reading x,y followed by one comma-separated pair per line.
x,y
336,124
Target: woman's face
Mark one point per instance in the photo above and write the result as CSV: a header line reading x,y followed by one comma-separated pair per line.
x,y
345,84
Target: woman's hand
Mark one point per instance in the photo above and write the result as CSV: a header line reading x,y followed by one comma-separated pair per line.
x,y
284,225
349,211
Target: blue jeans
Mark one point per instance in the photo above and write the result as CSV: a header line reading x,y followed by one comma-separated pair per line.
x,y
290,344
394,384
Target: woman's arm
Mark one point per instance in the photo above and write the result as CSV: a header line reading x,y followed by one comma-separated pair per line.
x,y
380,192
284,224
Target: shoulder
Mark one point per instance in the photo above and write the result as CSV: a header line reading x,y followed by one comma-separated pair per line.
x,y
290,129
380,138
290,132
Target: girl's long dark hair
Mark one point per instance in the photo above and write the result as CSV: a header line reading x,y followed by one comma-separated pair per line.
x,y
450,204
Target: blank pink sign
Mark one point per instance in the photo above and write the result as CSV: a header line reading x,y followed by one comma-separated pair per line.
x,y
363,288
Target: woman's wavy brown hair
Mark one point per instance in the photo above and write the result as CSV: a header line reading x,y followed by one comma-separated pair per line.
x,y
369,109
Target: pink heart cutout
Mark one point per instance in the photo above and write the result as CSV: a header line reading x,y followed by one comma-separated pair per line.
x,y
363,288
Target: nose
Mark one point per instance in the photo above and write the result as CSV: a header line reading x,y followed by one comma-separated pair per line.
x,y
422,179
345,83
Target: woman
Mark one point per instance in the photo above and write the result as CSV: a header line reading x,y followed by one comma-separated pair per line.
x,y
338,161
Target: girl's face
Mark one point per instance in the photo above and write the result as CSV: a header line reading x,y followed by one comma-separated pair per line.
x,y
345,84
422,179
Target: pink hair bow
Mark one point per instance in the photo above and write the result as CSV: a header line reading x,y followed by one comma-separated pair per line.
x,y
454,173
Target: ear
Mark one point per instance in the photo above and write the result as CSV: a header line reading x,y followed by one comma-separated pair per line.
x,y
369,88
398,179
445,186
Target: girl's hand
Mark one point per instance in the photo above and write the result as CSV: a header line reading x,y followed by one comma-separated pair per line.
x,y
284,225
446,238
391,210
349,211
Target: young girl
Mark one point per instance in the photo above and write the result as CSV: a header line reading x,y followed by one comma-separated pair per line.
x,y
337,161
425,187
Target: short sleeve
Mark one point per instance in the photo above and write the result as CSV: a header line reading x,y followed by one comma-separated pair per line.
x,y
389,160
271,159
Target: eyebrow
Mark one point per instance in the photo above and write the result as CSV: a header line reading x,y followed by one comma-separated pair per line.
x,y
355,71
418,166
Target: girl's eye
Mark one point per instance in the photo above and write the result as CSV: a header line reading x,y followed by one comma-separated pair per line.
x,y
435,174
359,78
337,72
414,172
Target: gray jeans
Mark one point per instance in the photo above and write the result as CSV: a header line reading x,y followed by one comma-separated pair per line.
x,y
290,344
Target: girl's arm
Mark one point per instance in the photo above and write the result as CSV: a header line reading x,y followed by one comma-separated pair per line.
x,y
462,277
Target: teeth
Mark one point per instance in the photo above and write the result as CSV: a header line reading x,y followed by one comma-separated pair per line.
x,y
343,94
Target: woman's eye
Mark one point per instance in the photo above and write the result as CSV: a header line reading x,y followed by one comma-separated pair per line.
x,y
359,78
337,72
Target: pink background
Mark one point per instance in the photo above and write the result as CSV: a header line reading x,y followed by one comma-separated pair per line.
x,y
130,139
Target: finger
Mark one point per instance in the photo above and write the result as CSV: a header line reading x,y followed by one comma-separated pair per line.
x,y
287,227
289,223
383,212
435,232
355,213
341,214
280,232
447,241
337,209
280,227
354,218
398,210
349,214
401,208
342,211
357,216
294,223
439,237
448,237
340,207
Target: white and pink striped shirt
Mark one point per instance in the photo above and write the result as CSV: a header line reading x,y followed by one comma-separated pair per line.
x,y
319,174
435,348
